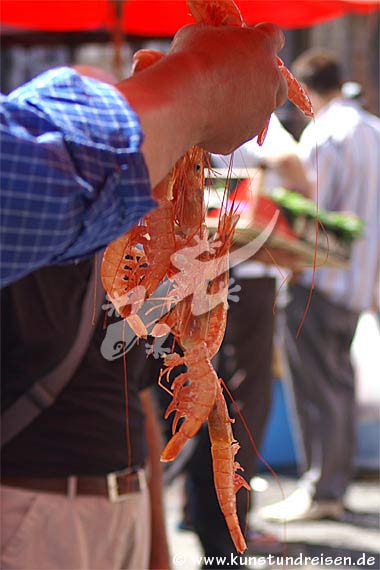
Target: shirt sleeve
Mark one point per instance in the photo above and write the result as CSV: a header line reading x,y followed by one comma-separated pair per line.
x,y
73,177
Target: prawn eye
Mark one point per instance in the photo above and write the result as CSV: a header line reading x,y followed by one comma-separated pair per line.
x,y
197,167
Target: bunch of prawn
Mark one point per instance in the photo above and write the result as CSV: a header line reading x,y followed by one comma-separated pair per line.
x,y
197,320
174,237
198,323
197,394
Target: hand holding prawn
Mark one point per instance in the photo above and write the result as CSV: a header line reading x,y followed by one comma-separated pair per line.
x,y
226,13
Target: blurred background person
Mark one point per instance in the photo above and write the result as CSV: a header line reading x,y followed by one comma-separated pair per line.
x,y
346,167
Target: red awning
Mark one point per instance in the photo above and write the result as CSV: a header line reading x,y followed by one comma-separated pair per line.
x,y
165,17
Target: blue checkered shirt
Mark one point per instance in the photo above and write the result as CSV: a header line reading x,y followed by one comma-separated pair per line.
x,y
72,174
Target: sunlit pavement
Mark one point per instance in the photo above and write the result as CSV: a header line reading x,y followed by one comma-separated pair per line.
x,y
357,537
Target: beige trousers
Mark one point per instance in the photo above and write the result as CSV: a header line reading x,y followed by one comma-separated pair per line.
x,y
56,532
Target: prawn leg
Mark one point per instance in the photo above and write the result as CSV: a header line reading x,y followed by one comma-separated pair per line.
x,y
193,398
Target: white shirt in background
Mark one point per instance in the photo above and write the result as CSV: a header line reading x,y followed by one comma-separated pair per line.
x,y
348,166
249,155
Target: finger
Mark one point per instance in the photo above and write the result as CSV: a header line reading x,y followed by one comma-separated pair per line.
x,y
144,58
274,35
185,33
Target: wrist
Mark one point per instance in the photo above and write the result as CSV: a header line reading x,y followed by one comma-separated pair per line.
x,y
165,100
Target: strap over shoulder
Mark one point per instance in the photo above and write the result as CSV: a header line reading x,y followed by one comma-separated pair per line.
x,y
44,392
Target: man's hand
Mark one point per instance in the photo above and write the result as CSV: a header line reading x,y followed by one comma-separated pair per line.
x,y
239,81
216,88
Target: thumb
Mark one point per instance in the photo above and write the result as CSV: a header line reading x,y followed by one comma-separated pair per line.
x,y
274,35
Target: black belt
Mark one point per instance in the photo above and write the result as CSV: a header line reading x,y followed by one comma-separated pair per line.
x,y
113,485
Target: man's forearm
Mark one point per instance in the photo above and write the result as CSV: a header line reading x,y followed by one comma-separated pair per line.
x,y
168,133
73,177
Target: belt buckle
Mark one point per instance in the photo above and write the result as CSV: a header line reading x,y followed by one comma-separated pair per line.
x,y
112,486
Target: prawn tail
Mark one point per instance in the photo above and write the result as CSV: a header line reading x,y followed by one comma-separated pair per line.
x,y
227,482
216,12
236,533
173,447
296,93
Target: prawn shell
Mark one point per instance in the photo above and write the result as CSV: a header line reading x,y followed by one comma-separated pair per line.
x,y
216,12
296,93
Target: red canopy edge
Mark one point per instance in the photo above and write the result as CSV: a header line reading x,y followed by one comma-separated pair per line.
x,y
164,17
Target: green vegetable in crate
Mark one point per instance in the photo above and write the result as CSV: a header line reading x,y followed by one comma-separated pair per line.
x,y
346,226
